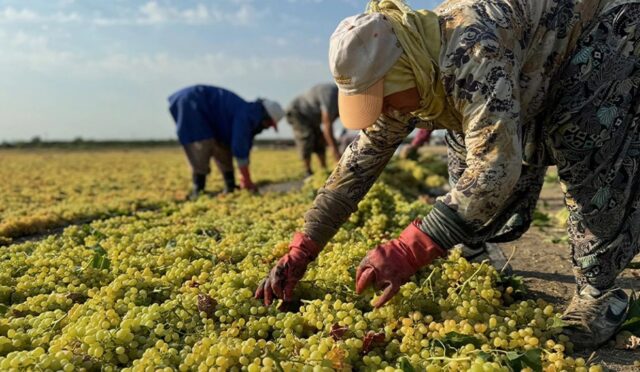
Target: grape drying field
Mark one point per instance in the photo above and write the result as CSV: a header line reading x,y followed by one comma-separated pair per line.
x,y
105,267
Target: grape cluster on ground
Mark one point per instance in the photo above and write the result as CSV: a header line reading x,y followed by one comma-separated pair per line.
x,y
170,288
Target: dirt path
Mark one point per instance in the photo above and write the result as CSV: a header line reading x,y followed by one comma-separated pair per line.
x,y
546,267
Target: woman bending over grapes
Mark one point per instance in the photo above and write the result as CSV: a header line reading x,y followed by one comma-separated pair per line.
x,y
519,85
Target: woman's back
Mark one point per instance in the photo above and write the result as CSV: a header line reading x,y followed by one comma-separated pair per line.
x,y
532,37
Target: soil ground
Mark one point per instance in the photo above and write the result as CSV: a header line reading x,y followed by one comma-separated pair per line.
x,y
542,257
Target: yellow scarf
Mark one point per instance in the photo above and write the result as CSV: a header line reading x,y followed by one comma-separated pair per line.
x,y
419,35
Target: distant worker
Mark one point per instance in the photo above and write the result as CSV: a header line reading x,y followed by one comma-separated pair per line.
x,y
312,115
410,151
216,123
345,139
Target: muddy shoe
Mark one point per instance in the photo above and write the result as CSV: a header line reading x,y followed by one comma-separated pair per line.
x,y
593,316
487,252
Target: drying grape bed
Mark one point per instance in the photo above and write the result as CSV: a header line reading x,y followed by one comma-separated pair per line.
x,y
171,288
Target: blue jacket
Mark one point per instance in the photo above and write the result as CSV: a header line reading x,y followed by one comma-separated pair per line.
x,y
202,112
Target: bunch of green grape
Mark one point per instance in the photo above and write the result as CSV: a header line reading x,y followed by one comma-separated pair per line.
x,y
172,290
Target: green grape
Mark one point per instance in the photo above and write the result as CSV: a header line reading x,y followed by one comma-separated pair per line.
x,y
177,292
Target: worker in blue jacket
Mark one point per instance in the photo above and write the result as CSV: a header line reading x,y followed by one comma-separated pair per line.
x,y
213,122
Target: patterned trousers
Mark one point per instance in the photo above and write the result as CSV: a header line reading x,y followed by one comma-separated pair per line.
x,y
590,131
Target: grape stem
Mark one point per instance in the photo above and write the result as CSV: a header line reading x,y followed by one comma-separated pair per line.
x,y
513,252
55,324
464,284
448,358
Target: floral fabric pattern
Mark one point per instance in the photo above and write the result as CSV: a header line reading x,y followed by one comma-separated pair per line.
x,y
593,135
529,84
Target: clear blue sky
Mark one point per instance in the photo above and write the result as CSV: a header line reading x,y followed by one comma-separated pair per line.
x,y
103,68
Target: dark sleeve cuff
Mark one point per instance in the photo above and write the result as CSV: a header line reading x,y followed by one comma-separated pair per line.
x,y
330,210
446,227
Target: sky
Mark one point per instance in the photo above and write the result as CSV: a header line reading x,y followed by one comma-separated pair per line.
x,y
102,69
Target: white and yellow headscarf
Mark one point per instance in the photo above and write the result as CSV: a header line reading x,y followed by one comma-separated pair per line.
x,y
419,35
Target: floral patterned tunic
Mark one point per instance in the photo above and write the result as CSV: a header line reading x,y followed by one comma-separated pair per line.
x,y
498,64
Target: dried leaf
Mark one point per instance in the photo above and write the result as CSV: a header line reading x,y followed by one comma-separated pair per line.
x,y
338,331
206,304
336,356
77,298
627,341
370,340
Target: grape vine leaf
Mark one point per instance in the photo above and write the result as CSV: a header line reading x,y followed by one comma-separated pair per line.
x,y
541,219
405,365
210,232
634,265
90,230
557,322
530,358
100,260
458,340
3,309
514,281
632,324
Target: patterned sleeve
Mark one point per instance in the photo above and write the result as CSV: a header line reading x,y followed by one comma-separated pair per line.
x,y
481,78
359,167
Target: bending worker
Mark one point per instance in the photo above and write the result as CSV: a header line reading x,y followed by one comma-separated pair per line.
x,y
311,115
216,123
518,85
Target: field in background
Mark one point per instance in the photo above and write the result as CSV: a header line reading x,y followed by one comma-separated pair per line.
x,y
47,188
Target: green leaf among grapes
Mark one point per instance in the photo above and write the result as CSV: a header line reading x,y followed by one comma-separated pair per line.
x,y
90,230
541,219
405,365
100,260
632,324
528,359
458,340
556,323
514,281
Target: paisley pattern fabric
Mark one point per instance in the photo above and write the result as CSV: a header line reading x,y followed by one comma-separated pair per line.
x,y
593,135
529,84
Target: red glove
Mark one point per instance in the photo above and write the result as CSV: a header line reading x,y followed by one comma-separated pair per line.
x,y
390,265
245,179
289,270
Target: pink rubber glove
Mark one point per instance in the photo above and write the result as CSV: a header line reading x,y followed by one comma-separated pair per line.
x,y
390,265
245,179
284,277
